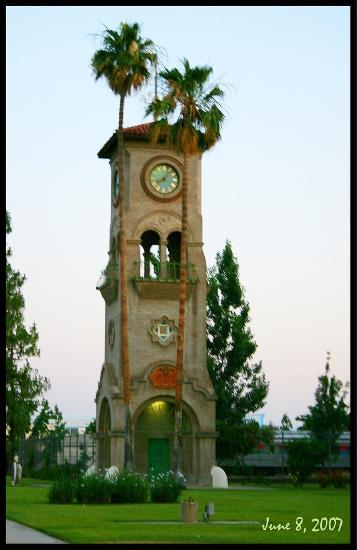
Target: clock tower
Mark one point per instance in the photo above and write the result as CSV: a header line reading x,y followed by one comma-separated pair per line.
x,y
153,186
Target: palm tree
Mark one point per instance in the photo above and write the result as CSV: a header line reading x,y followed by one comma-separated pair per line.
x,y
124,61
196,129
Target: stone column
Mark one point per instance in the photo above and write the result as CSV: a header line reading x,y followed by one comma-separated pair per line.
x,y
99,443
117,449
146,261
163,259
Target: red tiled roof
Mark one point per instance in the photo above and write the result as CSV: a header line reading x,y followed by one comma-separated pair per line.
x,y
139,131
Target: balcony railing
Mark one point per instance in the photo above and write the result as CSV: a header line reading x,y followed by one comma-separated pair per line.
x,y
153,279
154,270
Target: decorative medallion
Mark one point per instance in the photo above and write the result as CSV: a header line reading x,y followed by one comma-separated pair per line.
x,y
163,377
163,331
111,333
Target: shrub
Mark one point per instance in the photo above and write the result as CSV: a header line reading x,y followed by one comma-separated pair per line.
x,y
261,479
61,491
72,471
295,479
128,487
322,478
303,456
346,476
232,466
41,473
338,479
166,487
93,489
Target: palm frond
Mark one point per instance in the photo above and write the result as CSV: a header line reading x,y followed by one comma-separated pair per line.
x,y
190,96
125,59
159,130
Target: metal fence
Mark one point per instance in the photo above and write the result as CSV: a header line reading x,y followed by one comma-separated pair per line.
x,y
74,448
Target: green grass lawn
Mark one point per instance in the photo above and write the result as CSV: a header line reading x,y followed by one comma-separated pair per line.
x,y
114,523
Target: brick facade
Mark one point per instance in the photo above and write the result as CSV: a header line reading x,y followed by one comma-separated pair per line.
x,y
148,301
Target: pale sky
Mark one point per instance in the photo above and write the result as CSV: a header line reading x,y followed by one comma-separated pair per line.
x,y
277,185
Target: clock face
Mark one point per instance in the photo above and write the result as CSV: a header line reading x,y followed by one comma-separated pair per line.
x,y
115,187
161,178
164,178
111,333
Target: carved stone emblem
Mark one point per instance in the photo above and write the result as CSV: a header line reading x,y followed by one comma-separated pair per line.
x,y
163,377
163,331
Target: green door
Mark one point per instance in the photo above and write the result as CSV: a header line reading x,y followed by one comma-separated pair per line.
x,y
158,456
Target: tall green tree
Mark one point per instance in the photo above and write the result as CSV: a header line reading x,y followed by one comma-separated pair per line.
x,y
240,384
328,417
24,385
49,425
192,102
303,457
238,440
91,427
285,426
267,435
124,61
41,424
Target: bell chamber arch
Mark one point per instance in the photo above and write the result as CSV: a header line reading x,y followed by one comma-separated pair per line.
x,y
156,422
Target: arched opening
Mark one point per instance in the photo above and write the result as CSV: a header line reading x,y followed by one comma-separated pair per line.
x,y
150,255
174,255
154,438
104,447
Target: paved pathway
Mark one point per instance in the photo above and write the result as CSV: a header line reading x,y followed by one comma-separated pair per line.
x,y
232,488
20,534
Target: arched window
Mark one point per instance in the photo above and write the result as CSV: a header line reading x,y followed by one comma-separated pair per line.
x,y
150,255
104,457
